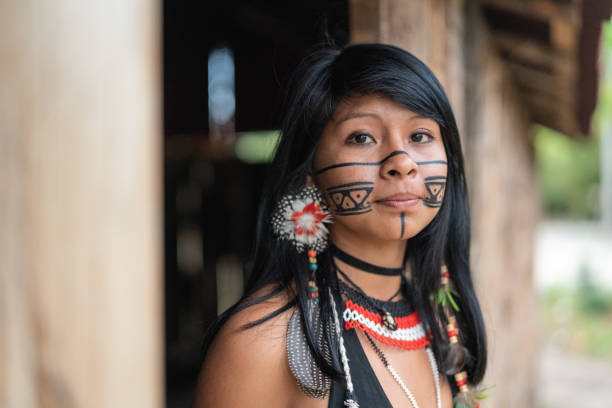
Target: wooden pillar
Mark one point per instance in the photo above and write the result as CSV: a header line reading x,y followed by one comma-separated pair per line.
x,y
432,30
505,209
80,204
499,164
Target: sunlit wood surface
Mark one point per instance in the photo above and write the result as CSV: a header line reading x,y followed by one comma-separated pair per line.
x,y
80,204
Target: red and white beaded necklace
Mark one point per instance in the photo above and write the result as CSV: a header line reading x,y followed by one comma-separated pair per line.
x,y
392,323
402,329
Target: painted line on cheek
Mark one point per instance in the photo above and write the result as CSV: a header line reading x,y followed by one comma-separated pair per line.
x,y
356,183
352,213
432,162
378,163
403,226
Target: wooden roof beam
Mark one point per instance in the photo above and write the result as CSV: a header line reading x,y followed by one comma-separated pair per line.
x,y
563,19
552,113
543,9
522,49
542,82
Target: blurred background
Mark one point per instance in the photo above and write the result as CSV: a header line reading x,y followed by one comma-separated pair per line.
x,y
573,255
135,137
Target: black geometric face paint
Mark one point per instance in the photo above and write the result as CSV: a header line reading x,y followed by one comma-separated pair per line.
x,y
378,163
435,188
351,198
403,226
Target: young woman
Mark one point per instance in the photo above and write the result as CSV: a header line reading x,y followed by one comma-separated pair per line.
x,y
381,311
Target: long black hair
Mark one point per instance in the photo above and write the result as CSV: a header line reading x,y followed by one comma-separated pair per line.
x,y
319,84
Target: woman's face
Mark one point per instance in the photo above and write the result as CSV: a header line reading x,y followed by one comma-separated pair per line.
x,y
381,168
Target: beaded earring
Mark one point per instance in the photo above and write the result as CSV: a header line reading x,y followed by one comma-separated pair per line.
x,y
456,355
447,293
300,219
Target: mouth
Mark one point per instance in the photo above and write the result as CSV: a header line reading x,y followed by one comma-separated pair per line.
x,y
401,201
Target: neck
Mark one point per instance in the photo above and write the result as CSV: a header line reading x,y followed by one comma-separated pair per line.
x,y
387,254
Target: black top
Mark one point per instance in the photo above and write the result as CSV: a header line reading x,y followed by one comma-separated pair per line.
x,y
368,391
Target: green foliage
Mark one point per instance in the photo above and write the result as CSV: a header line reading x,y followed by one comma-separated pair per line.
x,y
568,169
581,318
592,299
603,111
256,147
568,174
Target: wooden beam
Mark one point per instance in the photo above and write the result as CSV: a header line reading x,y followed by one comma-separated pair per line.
x,y
523,49
542,82
364,18
557,115
80,206
563,19
563,35
542,9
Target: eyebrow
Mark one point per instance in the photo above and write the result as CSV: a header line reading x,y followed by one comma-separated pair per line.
x,y
354,115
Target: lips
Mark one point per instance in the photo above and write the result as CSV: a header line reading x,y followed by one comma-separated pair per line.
x,y
401,197
401,201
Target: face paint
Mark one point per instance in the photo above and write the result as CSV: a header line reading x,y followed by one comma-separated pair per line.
x,y
335,166
351,198
436,186
375,182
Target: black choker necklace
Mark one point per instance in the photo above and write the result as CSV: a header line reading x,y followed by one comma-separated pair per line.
x,y
364,266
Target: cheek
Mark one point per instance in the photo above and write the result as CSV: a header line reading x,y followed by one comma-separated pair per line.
x,y
348,192
434,178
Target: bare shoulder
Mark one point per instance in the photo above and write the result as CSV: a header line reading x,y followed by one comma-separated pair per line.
x,y
246,367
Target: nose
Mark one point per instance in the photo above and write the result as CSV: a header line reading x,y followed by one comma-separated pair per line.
x,y
398,164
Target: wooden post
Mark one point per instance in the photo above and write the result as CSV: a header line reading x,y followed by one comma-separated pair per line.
x,y
80,204
494,127
431,30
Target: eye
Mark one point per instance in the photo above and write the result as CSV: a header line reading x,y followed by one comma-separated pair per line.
x,y
360,138
420,137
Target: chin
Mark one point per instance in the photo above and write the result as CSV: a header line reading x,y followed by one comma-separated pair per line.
x,y
381,226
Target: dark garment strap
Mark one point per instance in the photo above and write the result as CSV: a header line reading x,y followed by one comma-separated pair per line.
x,y
368,391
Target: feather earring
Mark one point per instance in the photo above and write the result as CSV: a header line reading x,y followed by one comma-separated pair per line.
x,y
468,397
457,355
300,218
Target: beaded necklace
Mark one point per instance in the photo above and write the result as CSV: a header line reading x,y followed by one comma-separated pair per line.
x,y
392,323
399,326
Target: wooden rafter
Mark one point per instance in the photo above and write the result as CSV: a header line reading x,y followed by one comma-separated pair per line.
x,y
543,9
522,49
546,73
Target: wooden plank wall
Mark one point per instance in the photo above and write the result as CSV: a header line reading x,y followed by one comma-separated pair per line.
x,y
450,37
80,204
505,209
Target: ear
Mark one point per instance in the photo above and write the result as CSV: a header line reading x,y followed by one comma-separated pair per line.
x,y
309,180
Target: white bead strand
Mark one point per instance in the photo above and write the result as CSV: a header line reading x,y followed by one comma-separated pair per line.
x,y
436,375
347,371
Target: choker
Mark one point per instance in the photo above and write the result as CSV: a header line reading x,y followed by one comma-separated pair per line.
x,y
364,266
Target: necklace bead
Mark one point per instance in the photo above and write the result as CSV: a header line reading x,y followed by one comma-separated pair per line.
x,y
389,321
